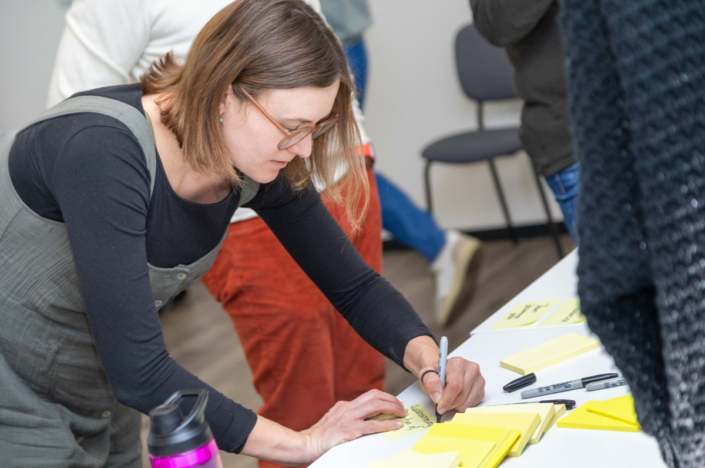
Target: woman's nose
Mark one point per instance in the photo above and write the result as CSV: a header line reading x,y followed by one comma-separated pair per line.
x,y
302,148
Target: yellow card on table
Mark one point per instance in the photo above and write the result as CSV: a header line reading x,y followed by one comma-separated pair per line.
x,y
473,453
581,418
524,422
544,410
620,408
410,459
503,438
417,421
549,353
560,411
525,314
567,314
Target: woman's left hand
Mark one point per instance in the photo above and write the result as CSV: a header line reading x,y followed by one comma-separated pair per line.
x,y
465,386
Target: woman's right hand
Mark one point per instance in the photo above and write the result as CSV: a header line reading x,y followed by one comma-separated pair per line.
x,y
347,420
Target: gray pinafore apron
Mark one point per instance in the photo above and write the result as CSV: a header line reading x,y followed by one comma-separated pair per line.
x,y
57,408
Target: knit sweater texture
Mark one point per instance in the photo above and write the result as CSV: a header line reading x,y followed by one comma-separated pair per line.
x,y
636,71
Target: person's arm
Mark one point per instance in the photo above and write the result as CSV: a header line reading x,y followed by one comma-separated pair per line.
x,y
101,43
506,22
103,193
377,312
344,422
307,230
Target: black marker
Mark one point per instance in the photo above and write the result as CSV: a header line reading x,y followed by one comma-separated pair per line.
x,y
565,386
521,382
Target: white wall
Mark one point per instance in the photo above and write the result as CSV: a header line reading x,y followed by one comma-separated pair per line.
x,y
413,98
29,37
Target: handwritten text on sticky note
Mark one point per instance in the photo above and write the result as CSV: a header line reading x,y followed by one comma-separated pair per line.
x,y
417,421
525,313
567,314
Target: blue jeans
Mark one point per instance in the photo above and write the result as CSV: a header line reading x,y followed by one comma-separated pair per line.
x,y
357,60
408,224
566,187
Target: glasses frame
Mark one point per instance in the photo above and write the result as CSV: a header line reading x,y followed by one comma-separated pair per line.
x,y
290,138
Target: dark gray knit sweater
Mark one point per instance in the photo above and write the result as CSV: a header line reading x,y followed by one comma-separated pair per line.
x,y
636,72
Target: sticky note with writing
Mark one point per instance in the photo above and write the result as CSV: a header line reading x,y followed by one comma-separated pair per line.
x,y
567,314
525,314
417,421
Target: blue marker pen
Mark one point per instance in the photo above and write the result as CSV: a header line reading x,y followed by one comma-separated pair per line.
x,y
442,363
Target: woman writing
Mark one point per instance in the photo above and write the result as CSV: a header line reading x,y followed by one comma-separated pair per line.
x,y
103,219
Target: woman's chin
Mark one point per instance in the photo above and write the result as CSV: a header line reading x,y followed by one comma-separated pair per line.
x,y
264,177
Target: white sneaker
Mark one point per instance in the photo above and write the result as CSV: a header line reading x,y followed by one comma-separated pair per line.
x,y
456,268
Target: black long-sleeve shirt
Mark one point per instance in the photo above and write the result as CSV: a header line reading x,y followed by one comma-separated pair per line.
x,y
88,171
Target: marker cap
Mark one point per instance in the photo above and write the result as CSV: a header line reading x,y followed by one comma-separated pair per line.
x,y
519,383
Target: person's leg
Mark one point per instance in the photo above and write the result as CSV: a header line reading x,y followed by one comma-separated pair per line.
x,y
357,60
283,322
287,327
565,185
410,225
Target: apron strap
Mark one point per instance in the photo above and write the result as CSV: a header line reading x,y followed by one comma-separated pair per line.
x,y
136,122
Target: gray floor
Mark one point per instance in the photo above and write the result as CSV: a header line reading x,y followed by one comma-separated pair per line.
x,y
200,336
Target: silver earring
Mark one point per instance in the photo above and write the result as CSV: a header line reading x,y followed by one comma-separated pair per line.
x,y
221,120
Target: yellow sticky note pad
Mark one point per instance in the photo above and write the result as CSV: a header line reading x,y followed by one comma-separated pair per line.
x,y
417,421
560,411
525,314
549,353
503,438
473,453
581,418
410,459
620,408
567,314
544,410
524,422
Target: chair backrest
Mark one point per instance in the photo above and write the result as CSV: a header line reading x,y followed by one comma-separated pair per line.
x,y
484,69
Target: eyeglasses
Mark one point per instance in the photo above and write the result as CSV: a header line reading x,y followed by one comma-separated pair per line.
x,y
295,136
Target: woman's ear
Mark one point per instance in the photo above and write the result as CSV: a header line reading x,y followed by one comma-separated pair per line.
x,y
227,95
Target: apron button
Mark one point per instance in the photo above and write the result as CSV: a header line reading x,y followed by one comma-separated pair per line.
x,y
158,303
181,276
107,414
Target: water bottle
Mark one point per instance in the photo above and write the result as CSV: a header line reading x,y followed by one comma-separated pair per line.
x,y
176,441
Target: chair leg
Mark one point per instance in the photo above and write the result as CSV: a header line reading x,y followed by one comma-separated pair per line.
x,y
502,201
427,180
551,224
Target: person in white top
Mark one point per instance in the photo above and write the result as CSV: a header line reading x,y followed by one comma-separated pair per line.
x,y
302,353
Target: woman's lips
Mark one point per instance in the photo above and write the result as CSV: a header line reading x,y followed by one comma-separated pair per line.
x,y
280,164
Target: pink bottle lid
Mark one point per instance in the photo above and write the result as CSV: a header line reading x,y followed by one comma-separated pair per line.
x,y
190,459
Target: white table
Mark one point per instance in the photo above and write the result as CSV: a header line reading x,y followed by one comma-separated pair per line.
x,y
569,447
560,282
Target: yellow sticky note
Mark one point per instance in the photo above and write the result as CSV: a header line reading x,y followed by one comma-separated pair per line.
x,y
549,353
417,421
525,314
567,314
544,410
473,453
560,411
581,418
410,459
524,422
503,438
620,408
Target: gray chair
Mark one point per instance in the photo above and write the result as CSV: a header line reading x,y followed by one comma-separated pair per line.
x,y
485,75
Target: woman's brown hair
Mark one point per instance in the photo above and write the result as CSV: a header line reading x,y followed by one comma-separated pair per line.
x,y
261,45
